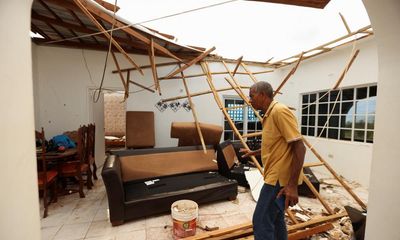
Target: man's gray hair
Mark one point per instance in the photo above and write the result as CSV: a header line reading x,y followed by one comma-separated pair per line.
x,y
263,87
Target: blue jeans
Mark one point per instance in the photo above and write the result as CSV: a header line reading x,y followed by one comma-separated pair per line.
x,y
269,215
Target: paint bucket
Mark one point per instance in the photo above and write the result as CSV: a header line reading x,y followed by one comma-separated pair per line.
x,y
184,216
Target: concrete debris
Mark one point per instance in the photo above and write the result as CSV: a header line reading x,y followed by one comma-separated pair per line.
x,y
336,197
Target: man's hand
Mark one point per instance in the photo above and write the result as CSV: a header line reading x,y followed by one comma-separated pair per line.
x,y
290,192
247,152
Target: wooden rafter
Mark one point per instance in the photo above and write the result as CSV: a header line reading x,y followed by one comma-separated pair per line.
x,y
153,67
239,61
192,107
142,86
192,62
116,44
199,94
249,73
289,74
346,69
129,30
124,83
345,23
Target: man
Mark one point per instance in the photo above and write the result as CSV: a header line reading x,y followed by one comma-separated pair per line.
x,y
282,153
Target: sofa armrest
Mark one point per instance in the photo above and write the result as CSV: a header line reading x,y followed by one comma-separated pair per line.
x,y
111,174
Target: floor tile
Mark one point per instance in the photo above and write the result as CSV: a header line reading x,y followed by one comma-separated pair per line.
x,y
72,231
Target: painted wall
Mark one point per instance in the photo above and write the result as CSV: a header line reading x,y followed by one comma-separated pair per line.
x,y
384,197
64,82
19,202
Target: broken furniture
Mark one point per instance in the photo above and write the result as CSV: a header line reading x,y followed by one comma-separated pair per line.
x,y
229,165
187,133
140,129
144,182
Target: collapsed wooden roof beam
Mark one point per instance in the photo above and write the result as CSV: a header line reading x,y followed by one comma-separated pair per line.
x,y
249,73
127,29
345,23
192,62
239,61
124,83
199,94
153,67
147,66
100,27
289,74
345,70
196,121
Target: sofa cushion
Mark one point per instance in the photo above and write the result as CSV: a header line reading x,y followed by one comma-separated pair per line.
x,y
187,133
150,165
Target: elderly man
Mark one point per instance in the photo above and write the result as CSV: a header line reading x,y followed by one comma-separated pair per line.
x,y
282,153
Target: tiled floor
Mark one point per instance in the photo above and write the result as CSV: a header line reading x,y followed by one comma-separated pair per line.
x,y
87,218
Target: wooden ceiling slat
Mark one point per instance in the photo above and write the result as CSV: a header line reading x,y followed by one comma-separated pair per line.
x,y
38,30
59,19
73,14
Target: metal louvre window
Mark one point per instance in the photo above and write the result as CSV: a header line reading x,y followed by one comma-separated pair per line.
x,y
347,114
243,118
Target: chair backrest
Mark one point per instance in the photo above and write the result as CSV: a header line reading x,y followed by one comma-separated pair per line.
x,y
82,144
41,137
91,133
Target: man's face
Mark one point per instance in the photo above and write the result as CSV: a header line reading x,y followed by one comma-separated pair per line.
x,y
256,99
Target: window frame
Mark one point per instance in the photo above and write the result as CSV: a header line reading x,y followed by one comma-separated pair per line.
x,y
336,127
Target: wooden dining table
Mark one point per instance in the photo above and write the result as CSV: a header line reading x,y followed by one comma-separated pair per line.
x,y
55,156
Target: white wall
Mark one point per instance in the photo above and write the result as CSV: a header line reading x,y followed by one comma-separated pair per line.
x,y
384,197
19,202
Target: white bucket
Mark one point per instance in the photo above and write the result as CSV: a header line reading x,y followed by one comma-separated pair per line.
x,y
184,215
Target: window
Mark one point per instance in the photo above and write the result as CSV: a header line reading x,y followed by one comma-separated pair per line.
x,y
243,117
347,114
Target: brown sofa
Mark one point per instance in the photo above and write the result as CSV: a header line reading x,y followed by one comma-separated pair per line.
x,y
145,182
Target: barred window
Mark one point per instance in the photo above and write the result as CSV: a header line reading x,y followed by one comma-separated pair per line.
x,y
347,114
242,116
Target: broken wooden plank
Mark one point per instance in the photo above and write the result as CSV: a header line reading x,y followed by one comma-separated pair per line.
x,y
153,66
316,194
346,69
239,61
199,94
345,23
302,234
194,114
193,61
249,73
289,74
313,164
124,83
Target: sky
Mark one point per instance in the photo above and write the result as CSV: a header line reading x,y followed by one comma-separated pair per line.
x,y
255,30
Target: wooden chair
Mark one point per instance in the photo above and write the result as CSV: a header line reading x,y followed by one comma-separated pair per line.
x,y
46,177
79,166
90,153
